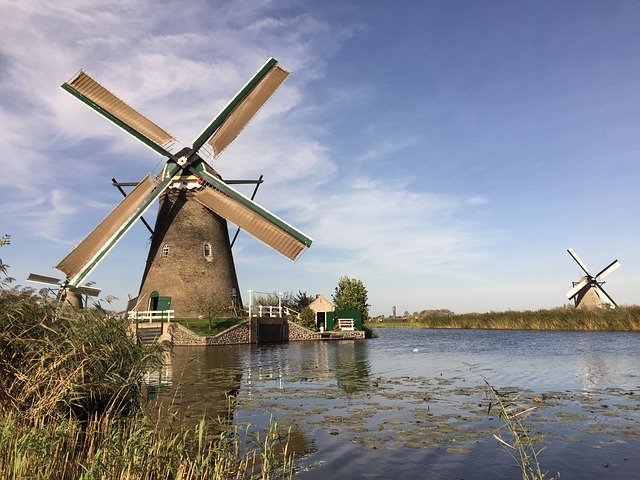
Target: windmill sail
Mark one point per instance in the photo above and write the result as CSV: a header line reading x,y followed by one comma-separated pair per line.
x,y
240,110
86,256
608,269
260,223
579,286
107,104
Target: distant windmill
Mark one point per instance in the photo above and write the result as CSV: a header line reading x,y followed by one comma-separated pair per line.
x,y
68,294
190,256
587,291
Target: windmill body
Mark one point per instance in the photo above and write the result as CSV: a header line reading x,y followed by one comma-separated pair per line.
x,y
587,297
190,261
587,292
190,243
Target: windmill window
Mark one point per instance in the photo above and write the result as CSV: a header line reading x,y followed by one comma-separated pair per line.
x,y
207,250
165,250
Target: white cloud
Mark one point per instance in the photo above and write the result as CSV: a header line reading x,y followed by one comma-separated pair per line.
x,y
179,65
384,147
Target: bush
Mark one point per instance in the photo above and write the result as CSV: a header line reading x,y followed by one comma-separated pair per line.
x,y
307,319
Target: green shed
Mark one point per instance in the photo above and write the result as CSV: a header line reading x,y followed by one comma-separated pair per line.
x,y
355,315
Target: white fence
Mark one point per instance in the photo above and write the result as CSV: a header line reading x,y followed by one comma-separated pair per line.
x,y
151,316
271,311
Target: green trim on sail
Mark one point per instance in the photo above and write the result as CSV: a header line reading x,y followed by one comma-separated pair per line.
x,y
218,184
147,141
222,116
124,228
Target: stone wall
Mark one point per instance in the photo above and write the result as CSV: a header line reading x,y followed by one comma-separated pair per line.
x,y
237,334
240,333
298,332
183,336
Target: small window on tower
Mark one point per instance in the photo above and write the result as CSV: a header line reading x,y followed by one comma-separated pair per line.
x,y
207,250
165,250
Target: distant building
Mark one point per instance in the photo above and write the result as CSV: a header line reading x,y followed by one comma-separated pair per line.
x,y
321,307
329,318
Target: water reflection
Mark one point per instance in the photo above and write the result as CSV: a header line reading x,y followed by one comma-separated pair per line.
x,y
413,403
319,363
197,383
350,363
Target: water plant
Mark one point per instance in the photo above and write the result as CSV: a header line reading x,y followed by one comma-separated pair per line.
x,y
624,318
514,436
69,405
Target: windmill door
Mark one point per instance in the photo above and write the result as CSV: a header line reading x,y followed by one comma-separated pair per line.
x,y
164,303
159,302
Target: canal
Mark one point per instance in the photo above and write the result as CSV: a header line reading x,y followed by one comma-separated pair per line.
x,y
415,404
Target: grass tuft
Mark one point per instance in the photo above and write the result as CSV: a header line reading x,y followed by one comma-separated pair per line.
x,y
514,435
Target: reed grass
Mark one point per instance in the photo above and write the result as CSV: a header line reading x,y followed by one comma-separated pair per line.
x,y
514,436
110,446
621,319
69,406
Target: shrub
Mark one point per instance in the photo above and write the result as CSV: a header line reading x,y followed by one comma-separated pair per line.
x,y
307,319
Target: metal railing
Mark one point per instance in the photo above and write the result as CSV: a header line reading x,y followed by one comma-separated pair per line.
x,y
151,316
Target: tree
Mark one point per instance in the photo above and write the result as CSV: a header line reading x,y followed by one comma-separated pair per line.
x,y
351,294
301,300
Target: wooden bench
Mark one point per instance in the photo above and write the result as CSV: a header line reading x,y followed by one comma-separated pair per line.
x,y
346,324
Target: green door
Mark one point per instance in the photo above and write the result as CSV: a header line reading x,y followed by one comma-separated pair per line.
x,y
164,303
330,320
158,302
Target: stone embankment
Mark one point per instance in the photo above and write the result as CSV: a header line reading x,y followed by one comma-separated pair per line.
x,y
179,335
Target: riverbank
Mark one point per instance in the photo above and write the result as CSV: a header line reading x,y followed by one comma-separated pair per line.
x,y
621,319
72,405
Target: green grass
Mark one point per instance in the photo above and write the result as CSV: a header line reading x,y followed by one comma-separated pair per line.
x,y
209,326
621,319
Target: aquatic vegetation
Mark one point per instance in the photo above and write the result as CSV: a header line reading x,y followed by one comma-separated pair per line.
x,y
70,395
563,318
520,443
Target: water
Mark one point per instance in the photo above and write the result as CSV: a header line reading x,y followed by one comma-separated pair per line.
x,y
414,403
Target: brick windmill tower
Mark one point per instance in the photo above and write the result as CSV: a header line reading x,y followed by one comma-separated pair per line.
x,y
587,291
190,265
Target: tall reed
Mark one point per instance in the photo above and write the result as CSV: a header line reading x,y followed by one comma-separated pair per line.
x,y
514,435
625,318
69,396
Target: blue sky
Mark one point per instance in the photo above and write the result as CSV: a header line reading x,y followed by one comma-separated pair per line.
x,y
445,153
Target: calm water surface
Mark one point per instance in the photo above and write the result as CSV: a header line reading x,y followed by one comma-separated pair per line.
x,y
413,403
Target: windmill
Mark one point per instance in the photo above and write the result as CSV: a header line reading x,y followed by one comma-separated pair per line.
x,y
190,256
67,294
587,291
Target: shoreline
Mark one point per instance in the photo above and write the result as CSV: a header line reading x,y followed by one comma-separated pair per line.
x,y
567,319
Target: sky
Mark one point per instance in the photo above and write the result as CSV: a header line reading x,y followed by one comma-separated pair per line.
x,y
446,153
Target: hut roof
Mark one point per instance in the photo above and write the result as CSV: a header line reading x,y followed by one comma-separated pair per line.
x,y
321,304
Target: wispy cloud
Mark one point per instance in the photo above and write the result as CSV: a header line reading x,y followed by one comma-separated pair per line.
x,y
179,65
385,147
